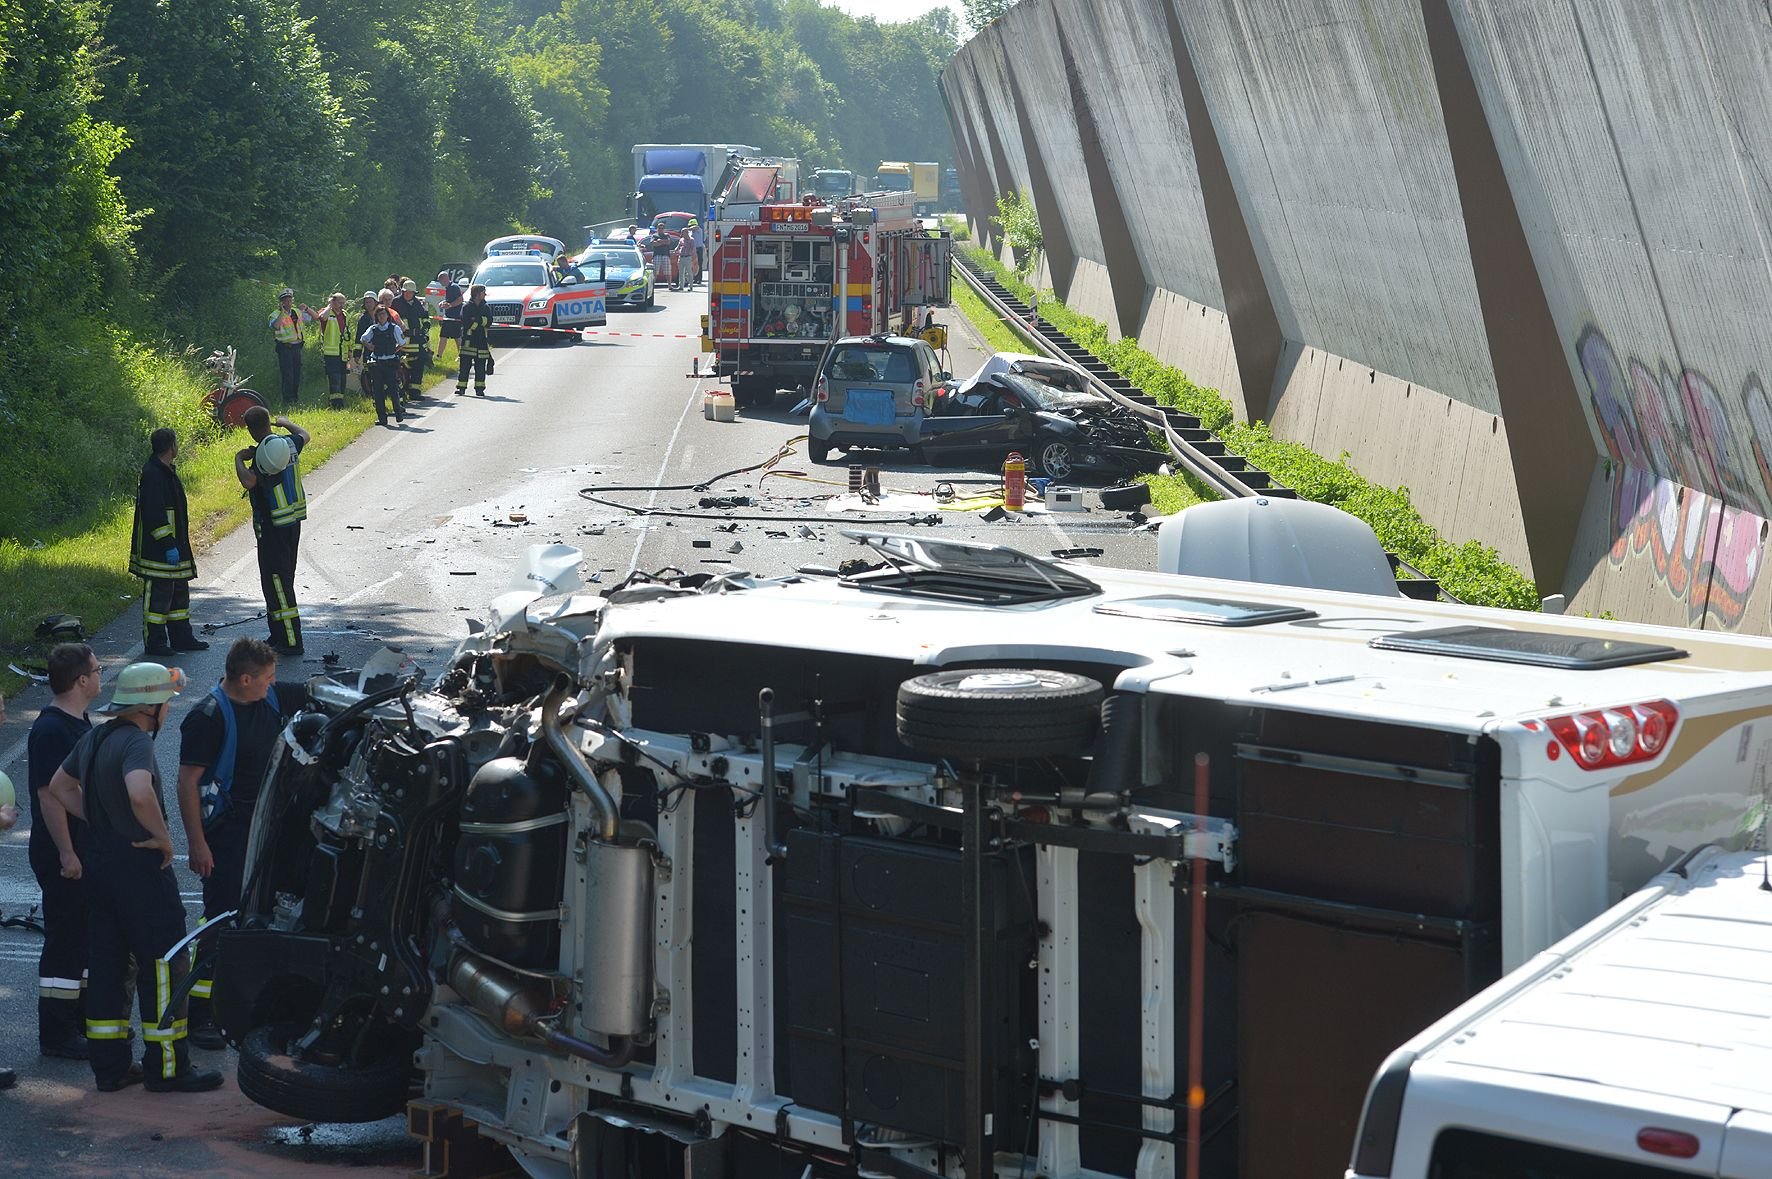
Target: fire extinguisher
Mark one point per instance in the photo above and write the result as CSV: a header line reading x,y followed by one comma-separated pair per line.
x,y
1015,481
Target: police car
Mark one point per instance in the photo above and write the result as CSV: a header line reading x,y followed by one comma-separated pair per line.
x,y
627,271
527,291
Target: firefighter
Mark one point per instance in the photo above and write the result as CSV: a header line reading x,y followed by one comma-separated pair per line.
x,y
109,779
335,347
476,342
74,677
416,348
225,744
286,327
270,471
365,320
160,551
382,345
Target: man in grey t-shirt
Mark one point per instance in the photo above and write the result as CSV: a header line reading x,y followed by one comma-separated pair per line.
x,y
133,906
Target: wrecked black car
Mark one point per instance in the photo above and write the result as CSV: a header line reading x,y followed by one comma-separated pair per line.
x,y
1044,410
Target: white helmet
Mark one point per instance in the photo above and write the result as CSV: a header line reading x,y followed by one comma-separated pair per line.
x,y
8,796
274,453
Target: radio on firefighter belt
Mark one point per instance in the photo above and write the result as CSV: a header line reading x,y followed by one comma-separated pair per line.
x,y
215,793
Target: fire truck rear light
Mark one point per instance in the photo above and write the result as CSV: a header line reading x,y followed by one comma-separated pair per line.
x,y
1674,1144
1604,738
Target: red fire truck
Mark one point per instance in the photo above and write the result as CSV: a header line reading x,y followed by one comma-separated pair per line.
x,y
781,286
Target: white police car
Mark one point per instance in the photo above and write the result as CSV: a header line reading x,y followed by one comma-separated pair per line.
x,y
529,292
627,271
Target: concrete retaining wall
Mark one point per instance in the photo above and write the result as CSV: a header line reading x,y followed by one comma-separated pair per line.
x,y
1511,255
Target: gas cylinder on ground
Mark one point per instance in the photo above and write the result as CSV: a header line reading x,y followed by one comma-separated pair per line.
x,y
1015,482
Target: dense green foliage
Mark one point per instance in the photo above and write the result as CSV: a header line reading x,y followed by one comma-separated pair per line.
x,y
167,165
1472,572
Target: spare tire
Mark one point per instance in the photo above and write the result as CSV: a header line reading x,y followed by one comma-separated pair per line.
x,y
273,1078
999,712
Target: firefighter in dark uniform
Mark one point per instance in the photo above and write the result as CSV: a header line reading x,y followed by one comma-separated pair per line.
x,y
270,471
476,342
74,677
160,552
225,744
133,906
415,318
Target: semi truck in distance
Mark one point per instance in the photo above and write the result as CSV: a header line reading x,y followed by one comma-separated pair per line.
x,y
670,177
833,183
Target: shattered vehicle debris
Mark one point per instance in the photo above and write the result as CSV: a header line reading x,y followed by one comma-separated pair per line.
x,y
1044,410
977,864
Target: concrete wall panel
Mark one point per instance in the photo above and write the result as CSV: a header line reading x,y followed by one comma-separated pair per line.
x,y
1633,135
1195,338
1123,58
1330,122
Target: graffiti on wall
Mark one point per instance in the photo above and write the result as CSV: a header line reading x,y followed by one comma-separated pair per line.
x,y
1669,434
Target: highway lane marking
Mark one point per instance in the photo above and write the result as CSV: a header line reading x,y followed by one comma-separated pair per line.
x,y
640,541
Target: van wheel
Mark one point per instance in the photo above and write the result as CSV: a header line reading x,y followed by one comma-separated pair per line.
x,y
999,712
273,1078
818,451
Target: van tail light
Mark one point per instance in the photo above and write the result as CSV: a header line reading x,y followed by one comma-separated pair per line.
x,y
1674,1144
821,391
917,399
1607,737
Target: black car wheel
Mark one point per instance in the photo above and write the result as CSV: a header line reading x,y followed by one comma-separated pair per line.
x,y
818,451
999,712
275,1079
1055,458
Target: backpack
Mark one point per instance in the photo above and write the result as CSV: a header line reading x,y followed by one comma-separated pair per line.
x,y
215,793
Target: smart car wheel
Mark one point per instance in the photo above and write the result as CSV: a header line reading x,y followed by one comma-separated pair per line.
x,y
999,712
817,450
1054,458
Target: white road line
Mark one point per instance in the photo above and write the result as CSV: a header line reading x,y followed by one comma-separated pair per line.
x,y
694,396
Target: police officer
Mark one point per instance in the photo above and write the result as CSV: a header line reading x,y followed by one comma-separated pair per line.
x,y
74,677
415,319
133,906
286,327
335,347
270,471
382,345
160,551
226,742
476,341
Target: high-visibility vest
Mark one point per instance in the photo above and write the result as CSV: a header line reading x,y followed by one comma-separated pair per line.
x,y
286,327
288,501
335,338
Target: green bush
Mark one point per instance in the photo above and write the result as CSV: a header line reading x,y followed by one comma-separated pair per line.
x,y
1472,572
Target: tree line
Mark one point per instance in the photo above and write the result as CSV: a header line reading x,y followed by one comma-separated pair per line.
x,y
156,155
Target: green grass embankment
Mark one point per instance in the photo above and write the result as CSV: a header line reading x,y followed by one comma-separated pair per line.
x,y
1471,571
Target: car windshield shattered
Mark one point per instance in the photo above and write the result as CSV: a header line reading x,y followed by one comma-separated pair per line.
x,y
1036,394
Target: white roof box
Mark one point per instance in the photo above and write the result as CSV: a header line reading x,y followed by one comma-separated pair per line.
x,y
1276,542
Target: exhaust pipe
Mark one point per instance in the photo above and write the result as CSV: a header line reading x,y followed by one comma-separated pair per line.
x,y
577,769
518,1007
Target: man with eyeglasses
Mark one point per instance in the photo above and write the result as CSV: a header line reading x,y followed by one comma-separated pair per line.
x,y
74,677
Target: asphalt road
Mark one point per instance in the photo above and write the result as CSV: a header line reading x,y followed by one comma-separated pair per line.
x,y
411,531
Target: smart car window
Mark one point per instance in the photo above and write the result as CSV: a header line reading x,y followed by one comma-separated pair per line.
x,y
900,367
511,274
859,364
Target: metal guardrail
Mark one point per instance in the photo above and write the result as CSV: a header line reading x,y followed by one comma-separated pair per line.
x,y
1183,452
1215,476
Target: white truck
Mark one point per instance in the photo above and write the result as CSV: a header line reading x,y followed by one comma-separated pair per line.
x,y
1636,1048
893,871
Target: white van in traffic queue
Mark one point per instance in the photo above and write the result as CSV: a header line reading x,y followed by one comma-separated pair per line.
x,y
1639,1047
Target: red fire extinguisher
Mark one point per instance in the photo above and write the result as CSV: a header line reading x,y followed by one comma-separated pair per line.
x,y
1015,482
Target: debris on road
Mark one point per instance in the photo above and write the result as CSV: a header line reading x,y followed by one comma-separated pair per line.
x,y
462,572
701,544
